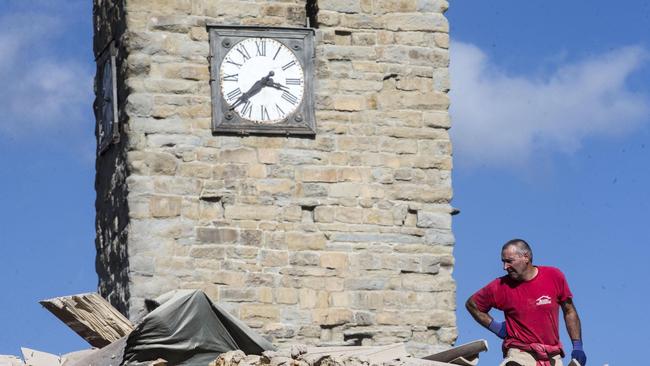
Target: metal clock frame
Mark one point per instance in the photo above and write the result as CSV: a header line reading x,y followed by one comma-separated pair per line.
x,y
108,132
300,41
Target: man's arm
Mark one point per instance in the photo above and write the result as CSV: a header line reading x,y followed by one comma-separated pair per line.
x,y
482,318
572,320
574,329
485,319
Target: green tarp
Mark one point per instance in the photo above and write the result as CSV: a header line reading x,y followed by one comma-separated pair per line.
x,y
188,329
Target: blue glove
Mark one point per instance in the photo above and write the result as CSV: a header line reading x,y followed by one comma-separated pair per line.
x,y
498,328
578,353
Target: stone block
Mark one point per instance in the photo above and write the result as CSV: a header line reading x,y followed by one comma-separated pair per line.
x,y
436,220
265,295
256,312
308,298
217,235
286,295
292,213
229,278
195,170
275,186
305,241
317,174
274,258
332,317
427,22
304,258
334,260
251,212
165,206
250,237
395,6
208,252
160,163
240,155
237,294
345,190
340,6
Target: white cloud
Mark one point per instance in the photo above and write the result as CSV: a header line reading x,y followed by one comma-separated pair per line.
x,y
500,119
42,89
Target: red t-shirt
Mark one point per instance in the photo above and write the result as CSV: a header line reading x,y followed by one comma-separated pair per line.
x,y
531,307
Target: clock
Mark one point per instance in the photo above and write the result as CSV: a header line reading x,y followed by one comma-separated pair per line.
x,y
105,105
261,80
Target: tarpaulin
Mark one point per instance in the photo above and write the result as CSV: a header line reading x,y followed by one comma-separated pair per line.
x,y
188,329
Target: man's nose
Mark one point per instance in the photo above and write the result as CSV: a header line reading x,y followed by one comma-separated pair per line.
x,y
506,266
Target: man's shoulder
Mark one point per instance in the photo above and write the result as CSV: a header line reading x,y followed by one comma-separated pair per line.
x,y
550,270
552,273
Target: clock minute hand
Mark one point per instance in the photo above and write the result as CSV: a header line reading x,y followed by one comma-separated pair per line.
x,y
256,88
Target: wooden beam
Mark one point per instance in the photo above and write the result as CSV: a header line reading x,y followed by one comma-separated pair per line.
x,y
467,351
90,316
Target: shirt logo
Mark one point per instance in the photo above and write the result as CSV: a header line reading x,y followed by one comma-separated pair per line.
x,y
543,300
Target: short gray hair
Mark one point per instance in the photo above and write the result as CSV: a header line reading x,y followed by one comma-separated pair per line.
x,y
522,247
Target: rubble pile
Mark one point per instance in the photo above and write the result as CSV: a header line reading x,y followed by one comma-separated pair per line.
x,y
185,328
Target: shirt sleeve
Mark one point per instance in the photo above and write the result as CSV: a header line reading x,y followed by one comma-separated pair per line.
x,y
484,298
564,293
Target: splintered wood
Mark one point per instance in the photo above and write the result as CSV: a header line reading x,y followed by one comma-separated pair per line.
x,y
91,317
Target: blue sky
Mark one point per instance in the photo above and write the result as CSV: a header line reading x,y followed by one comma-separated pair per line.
x,y
551,128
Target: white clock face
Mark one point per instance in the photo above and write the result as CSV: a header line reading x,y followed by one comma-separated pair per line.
x,y
261,80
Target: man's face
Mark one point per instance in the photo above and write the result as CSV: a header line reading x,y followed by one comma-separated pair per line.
x,y
514,263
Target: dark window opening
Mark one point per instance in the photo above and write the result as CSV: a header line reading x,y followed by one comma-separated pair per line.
x,y
312,13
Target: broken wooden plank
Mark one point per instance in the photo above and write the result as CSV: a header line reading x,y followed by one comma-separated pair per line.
x,y
467,351
91,317
412,361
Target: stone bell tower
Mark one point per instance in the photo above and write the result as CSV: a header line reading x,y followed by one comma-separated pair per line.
x,y
339,237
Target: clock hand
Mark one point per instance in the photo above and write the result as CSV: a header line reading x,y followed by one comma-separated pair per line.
x,y
256,88
275,85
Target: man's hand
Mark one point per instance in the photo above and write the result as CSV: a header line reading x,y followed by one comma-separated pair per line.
x,y
498,328
578,353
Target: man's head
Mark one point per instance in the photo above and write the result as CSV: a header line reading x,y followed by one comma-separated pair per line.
x,y
517,258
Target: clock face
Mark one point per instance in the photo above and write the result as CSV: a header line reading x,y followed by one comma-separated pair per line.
x,y
261,80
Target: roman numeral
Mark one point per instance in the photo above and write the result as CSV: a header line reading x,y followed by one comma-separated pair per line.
x,y
247,109
261,47
279,110
290,81
233,77
233,94
276,52
244,52
290,97
285,67
264,113
228,60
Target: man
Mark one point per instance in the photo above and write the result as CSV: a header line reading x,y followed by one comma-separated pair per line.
x,y
530,297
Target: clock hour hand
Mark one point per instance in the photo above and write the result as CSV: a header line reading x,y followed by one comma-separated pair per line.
x,y
275,85
261,83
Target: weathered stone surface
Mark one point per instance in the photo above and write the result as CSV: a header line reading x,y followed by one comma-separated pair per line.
x,y
337,238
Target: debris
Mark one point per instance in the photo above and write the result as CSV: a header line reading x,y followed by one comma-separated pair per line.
x,y
465,354
90,316
8,360
39,358
185,328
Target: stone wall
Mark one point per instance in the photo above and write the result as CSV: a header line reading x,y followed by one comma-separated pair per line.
x,y
341,239
111,241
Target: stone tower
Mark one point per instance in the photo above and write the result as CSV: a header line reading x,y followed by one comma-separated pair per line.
x,y
341,238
